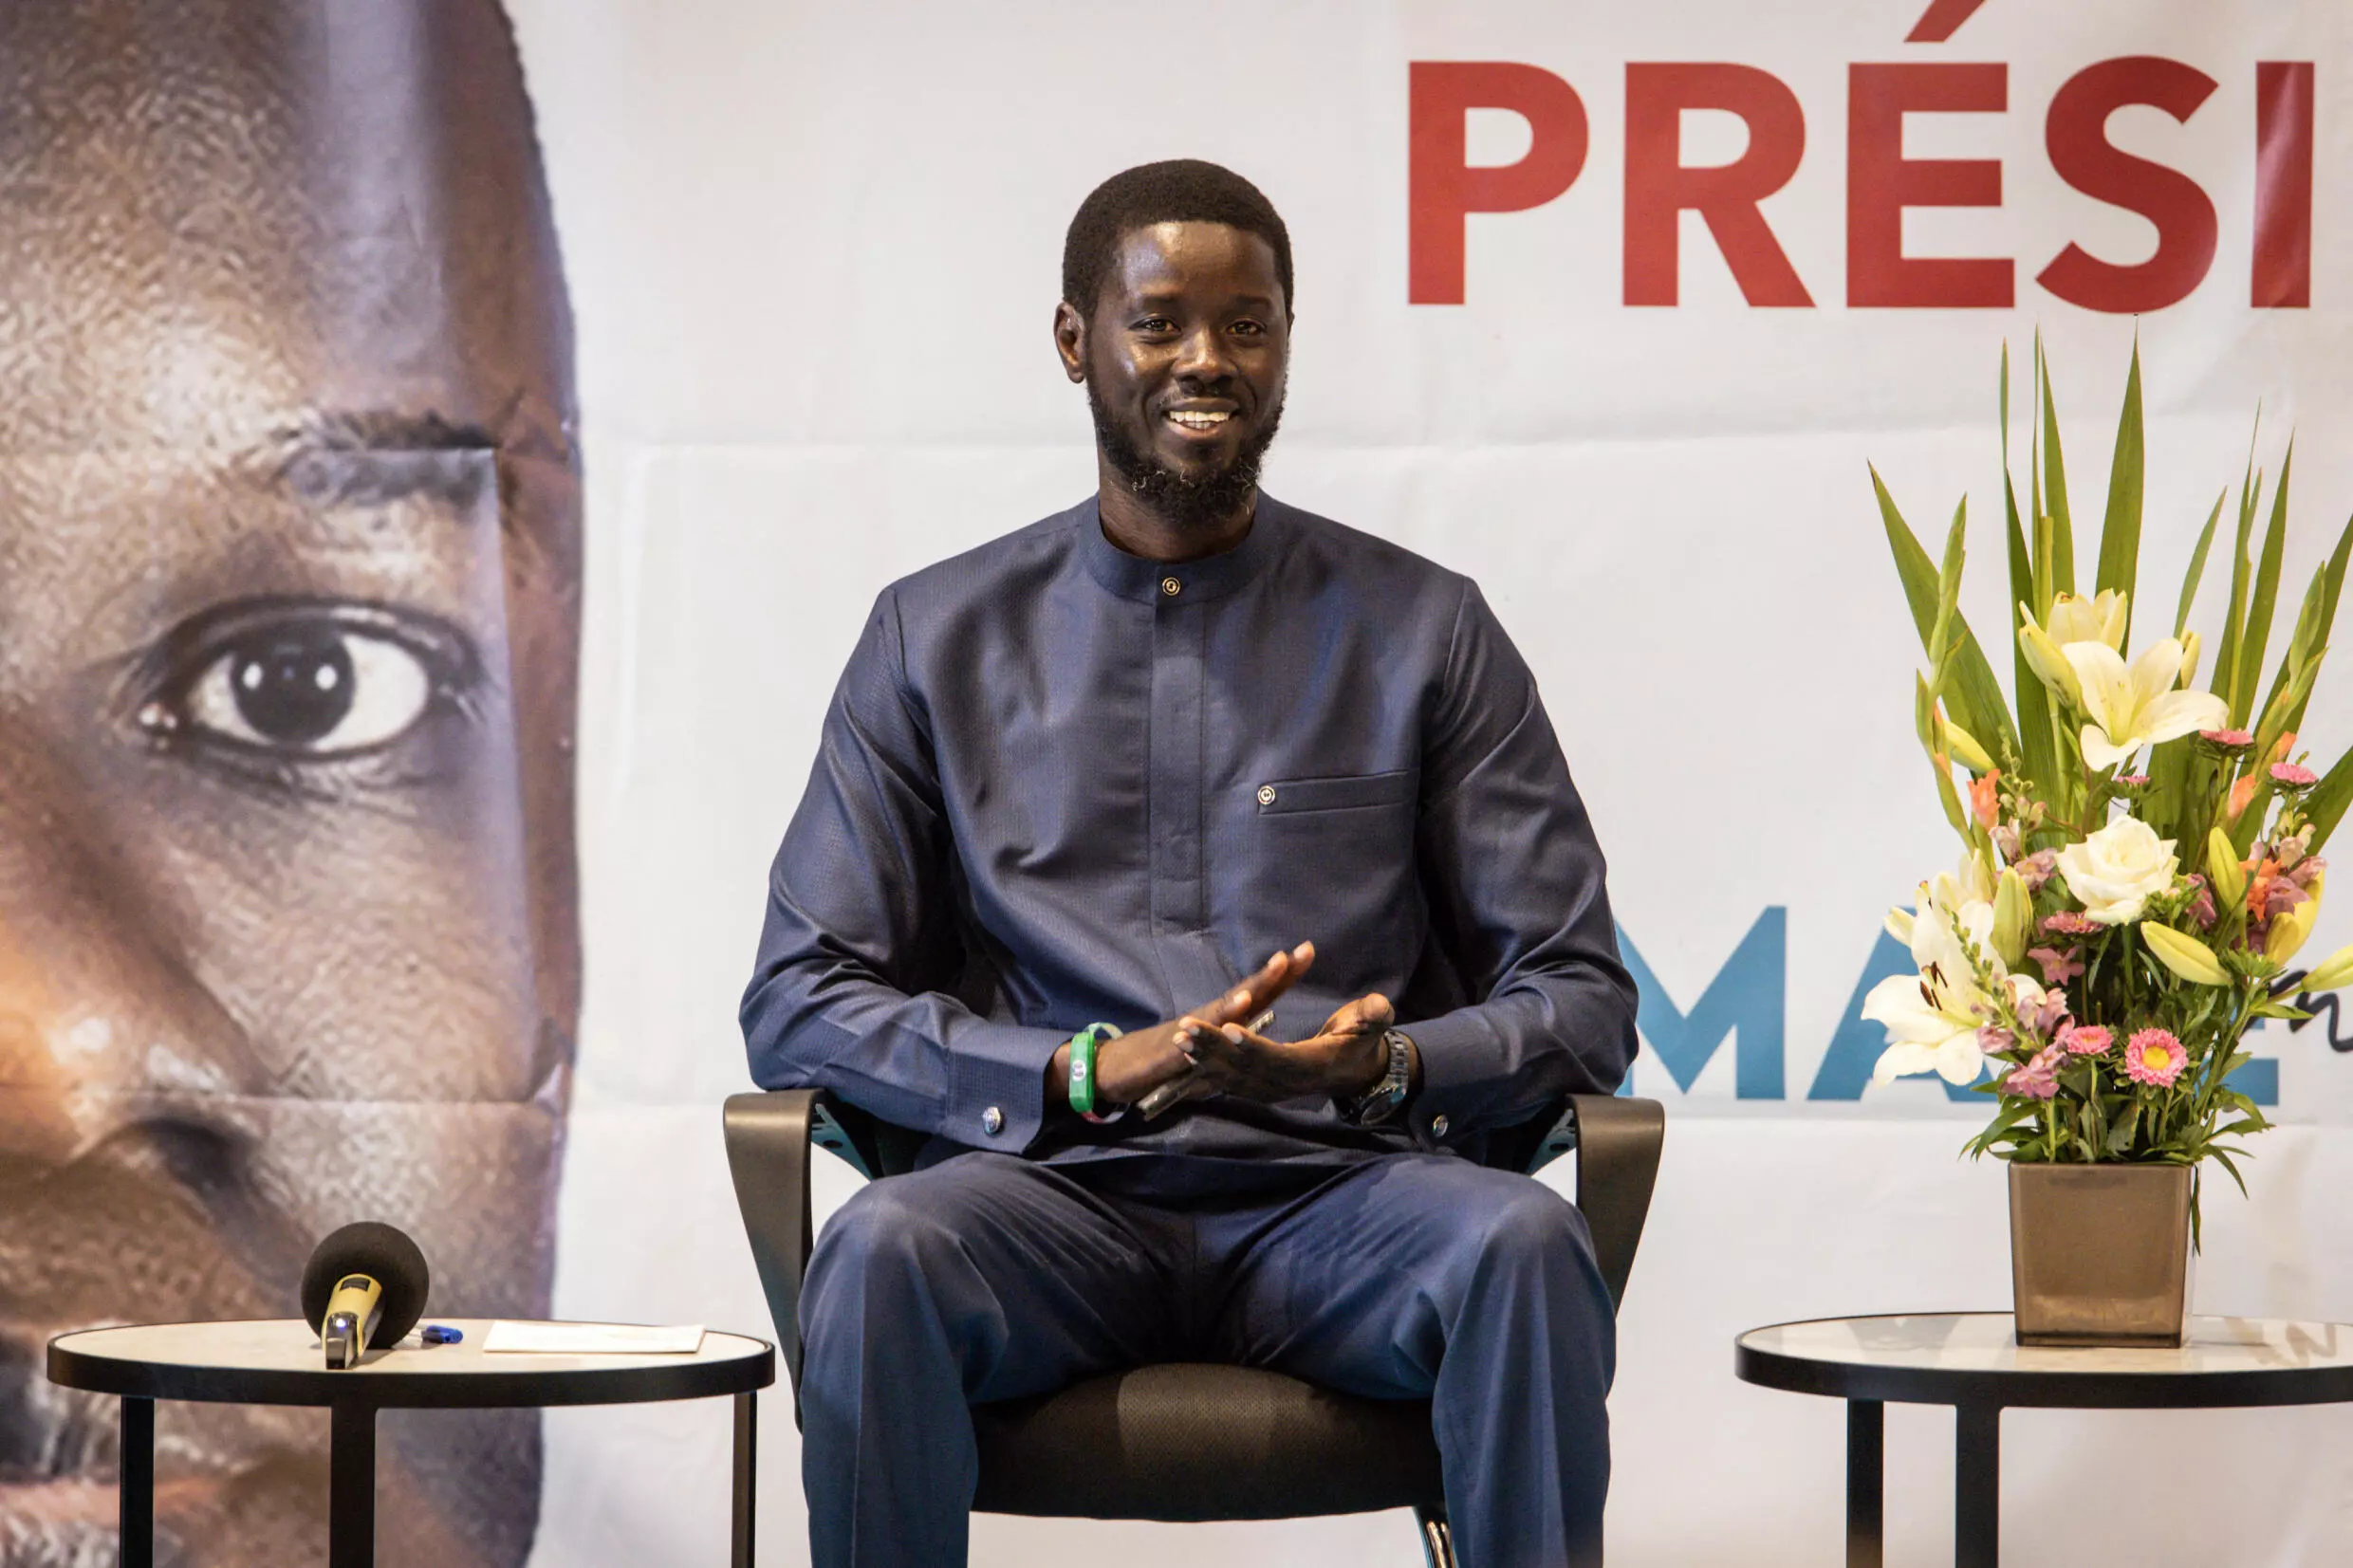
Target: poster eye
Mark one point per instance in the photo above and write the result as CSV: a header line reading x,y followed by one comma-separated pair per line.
x,y
305,681
311,687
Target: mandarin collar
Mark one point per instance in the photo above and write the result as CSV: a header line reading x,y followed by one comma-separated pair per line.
x,y
1212,577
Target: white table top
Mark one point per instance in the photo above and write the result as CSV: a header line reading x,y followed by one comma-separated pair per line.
x,y
279,1361
289,1344
1983,1342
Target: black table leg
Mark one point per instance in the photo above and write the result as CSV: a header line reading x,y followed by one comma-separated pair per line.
x,y
747,1455
351,1488
1976,1485
1866,1483
137,1484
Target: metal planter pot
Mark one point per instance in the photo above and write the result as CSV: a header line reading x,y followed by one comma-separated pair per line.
x,y
2099,1254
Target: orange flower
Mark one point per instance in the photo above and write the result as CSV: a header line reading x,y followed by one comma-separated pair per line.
x,y
1984,799
2285,744
2241,793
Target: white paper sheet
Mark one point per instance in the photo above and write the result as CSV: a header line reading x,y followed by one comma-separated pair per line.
x,y
593,1338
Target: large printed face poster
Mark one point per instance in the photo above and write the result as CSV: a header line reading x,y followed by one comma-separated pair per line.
x,y
1606,305
288,567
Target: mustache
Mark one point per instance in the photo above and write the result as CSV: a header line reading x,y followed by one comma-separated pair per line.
x,y
177,1189
1189,501
32,1543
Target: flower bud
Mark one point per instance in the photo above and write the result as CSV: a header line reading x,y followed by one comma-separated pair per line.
x,y
2013,917
2049,664
1966,750
2290,930
2185,956
2334,970
2223,871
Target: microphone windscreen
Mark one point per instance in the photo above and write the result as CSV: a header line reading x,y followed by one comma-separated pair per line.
x,y
382,1254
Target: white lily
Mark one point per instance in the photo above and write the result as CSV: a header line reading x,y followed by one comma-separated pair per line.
x,y
1933,1018
2099,621
2130,707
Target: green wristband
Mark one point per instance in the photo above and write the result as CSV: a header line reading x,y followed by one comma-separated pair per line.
x,y
1083,1047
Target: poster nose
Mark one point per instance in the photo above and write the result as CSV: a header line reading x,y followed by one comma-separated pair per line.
x,y
99,1005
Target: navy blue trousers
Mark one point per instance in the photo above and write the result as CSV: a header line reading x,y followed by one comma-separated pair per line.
x,y
1409,1276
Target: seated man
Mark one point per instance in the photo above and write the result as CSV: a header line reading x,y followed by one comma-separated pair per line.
x,y
1081,780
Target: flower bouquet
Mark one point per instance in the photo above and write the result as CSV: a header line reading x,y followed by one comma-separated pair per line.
x,y
2140,867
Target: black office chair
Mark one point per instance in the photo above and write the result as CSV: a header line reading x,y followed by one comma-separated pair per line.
x,y
1183,1442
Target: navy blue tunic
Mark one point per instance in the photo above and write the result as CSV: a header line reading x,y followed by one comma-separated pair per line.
x,y
1061,784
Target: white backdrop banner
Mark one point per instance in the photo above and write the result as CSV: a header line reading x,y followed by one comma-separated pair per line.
x,y
1608,306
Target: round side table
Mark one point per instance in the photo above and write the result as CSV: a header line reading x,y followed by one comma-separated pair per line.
x,y
1971,1361
278,1362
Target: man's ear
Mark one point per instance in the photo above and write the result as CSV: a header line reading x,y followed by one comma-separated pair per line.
x,y
1070,339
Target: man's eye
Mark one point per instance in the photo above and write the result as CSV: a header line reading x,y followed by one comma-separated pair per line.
x,y
311,687
304,681
1249,329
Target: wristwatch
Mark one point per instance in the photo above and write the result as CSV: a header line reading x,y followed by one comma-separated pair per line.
x,y
1386,1097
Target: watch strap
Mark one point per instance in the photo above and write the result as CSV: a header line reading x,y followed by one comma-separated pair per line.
x,y
1387,1097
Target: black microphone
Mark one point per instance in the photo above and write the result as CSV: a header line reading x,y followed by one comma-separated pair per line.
x,y
363,1289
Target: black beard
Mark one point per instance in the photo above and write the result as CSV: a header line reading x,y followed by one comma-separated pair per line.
x,y
1187,503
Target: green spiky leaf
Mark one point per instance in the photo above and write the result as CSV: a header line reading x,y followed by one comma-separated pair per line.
x,y
2255,632
2120,533
2053,484
2038,755
1972,695
2324,807
2198,562
2226,654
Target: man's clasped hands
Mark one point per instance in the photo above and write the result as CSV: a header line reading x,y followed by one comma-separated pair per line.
x,y
1213,1049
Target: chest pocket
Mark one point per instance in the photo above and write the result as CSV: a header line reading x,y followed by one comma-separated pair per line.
x,y
1283,796
1333,860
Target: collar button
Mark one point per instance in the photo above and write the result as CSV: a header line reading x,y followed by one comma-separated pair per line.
x,y
1171,587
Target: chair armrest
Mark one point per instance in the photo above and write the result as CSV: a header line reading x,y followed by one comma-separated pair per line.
x,y
1616,1141
768,1152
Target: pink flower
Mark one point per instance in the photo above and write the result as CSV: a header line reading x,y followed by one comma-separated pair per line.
x,y
2049,1014
2130,780
2035,1079
2154,1057
1993,1038
2036,869
2291,776
2058,967
2230,739
2069,923
2087,1038
2203,907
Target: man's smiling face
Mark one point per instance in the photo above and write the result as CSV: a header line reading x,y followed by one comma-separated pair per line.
x,y
1185,354
289,553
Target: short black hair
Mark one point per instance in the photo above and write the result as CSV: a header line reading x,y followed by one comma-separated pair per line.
x,y
1180,189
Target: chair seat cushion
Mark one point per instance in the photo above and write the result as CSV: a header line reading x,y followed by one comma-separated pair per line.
x,y
1192,1440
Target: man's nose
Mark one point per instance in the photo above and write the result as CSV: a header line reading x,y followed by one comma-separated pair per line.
x,y
99,1007
1201,357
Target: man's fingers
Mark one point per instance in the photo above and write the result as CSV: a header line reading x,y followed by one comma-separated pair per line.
x,y
1275,976
1366,1012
